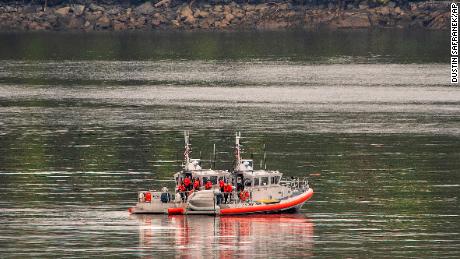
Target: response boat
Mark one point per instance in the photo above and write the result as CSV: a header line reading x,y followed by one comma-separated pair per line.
x,y
253,191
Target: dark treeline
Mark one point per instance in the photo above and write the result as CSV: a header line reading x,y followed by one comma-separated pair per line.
x,y
371,3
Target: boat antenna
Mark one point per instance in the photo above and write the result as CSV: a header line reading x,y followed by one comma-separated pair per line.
x,y
187,149
214,158
265,158
237,149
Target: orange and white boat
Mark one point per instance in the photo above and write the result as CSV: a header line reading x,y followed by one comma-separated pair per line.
x,y
251,191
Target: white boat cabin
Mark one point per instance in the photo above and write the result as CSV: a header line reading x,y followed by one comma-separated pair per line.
x,y
193,170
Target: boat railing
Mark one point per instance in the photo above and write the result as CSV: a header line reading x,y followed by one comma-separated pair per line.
x,y
296,183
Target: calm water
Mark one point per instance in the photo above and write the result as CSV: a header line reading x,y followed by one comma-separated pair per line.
x,y
87,120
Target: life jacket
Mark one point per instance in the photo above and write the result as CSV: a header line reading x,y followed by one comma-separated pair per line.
x,y
221,184
208,185
148,197
228,188
196,184
244,195
187,182
181,188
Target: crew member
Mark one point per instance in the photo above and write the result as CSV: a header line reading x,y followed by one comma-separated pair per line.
x,y
228,188
181,189
188,183
221,185
196,184
208,185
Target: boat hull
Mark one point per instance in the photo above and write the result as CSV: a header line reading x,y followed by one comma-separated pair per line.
x,y
290,205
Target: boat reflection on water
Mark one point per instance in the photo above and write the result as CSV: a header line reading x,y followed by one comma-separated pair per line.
x,y
276,235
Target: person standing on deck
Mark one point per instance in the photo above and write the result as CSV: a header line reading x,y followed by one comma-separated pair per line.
x,y
221,185
208,185
181,189
188,183
196,184
228,192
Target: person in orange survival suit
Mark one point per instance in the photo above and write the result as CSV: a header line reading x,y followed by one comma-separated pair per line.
x,y
188,183
196,184
181,189
208,185
228,188
221,185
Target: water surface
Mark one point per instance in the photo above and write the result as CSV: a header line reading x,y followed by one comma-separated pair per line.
x,y
87,120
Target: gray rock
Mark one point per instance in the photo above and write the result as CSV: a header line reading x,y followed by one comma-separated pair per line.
x,y
363,6
186,14
353,21
103,22
63,11
94,8
145,8
385,10
75,23
10,9
114,11
78,9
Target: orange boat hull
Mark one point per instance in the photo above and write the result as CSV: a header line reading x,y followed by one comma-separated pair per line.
x,y
270,208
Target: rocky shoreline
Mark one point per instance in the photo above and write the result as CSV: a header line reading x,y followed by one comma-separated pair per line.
x,y
228,17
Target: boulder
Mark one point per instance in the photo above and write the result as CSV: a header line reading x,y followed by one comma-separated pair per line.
x,y
94,7
158,19
75,23
145,8
156,22
114,11
140,22
353,21
119,26
218,8
201,14
63,11
175,23
186,14
103,22
363,6
78,9
229,17
163,3
384,10
440,22
34,26
261,7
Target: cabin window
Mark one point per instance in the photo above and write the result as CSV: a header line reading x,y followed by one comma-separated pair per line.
x,y
277,179
247,182
213,179
264,181
256,181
